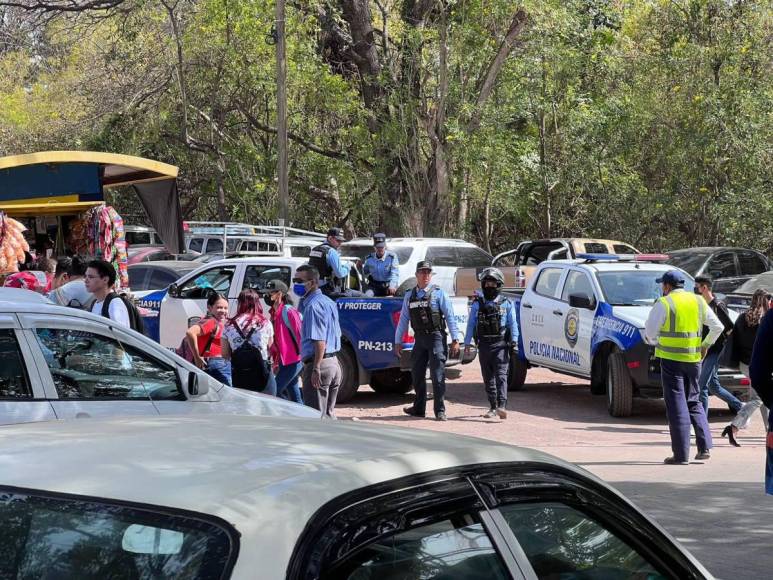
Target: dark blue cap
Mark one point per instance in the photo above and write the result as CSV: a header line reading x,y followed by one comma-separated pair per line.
x,y
379,240
424,265
673,277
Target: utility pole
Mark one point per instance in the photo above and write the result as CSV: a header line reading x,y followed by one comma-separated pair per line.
x,y
281,112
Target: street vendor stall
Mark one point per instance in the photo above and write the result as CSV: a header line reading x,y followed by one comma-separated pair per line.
x,y
63,192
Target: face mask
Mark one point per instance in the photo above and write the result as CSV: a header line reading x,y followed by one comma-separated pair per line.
x,y
268,300
299,289
490,293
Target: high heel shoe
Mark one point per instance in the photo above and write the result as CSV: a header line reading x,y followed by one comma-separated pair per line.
x,y
728,432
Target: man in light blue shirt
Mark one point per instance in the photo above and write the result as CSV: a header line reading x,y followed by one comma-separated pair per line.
x,y
382,269
428,310
492,323
320,342
327,260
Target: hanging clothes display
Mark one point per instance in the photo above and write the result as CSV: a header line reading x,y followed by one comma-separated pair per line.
x,y
12,244
99,232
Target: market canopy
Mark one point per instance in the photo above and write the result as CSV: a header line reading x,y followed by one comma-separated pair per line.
x,y
70,182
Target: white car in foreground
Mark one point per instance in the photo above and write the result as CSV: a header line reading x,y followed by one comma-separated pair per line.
x,y
63,363
269,498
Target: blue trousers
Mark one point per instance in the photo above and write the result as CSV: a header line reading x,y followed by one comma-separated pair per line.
x,y
288,385
683,407
494,363
220,369
710,385
429,350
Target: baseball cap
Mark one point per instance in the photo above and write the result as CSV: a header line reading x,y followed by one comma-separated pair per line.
x,y
673,277
424,265
336,233
379,240
276,286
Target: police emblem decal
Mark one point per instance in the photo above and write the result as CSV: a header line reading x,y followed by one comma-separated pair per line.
x,y
572,327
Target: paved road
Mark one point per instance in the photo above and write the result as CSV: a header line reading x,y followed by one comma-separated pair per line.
x,y
717,508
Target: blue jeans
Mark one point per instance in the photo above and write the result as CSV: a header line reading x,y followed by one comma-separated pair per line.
x,y
219,369
709,384
288,385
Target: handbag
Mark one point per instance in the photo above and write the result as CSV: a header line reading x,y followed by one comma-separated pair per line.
x,y
184,350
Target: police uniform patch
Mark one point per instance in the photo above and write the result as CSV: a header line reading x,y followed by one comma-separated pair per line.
x,y
572,327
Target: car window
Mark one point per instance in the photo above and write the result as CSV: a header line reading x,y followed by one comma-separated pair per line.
x,y
257,277
217,279
214,246
230,245
509,259
137,278
69,537
562,542
300,251
160,279
442,256
722,265
596,248
623,249
196,244
547,282
537,253
452,548
577,283
751,264
472,258
85,365
14,383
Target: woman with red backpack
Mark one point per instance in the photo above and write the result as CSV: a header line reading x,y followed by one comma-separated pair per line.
x,y
248,338
286,350
204,340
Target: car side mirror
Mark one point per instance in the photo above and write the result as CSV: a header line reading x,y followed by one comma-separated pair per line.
x,y
582,301
174,290
194,387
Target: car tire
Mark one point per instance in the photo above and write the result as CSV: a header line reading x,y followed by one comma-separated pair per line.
x,y
391,382
349,374
598,374
619,386
516,373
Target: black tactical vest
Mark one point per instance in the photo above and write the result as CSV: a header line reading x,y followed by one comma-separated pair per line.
x,y
318,259
489,326
424,320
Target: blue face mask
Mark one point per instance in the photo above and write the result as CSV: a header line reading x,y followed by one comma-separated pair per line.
x,y
299,289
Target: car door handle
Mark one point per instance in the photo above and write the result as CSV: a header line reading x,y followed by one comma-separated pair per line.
x,y
558,313
526,305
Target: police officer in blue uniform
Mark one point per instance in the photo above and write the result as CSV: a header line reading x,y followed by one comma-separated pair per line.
x,y
327,260
492,323
428,310
382,269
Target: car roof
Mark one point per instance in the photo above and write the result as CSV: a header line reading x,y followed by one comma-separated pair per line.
x,y
168,264
407,241
233,467
267,260
608,266
17,295
707,250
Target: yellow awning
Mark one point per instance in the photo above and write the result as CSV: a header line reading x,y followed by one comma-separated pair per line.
x,y
31,210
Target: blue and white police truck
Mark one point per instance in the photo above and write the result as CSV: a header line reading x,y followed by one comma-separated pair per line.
x,y
367,324
585,318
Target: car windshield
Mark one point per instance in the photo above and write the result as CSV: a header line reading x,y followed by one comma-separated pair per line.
x,y
361,251
690,262
633,288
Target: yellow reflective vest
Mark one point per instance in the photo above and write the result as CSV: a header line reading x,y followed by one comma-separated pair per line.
x,y
680,337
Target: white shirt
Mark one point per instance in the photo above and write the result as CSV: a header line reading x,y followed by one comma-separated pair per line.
x,y
117,311
260,338
657,318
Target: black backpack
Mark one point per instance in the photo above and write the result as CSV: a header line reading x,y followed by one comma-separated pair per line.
x,y
248,368
135,319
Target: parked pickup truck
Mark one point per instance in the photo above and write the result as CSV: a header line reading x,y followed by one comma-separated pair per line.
x,y
519,264
585,318
367,324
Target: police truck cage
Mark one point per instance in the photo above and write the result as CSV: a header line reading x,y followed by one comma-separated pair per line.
x,y
651,258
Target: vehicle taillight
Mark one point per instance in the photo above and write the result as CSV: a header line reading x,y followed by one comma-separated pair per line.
x,y
745,381
407,335
634,364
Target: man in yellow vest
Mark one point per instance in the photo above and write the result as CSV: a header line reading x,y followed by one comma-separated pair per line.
x,y
675,326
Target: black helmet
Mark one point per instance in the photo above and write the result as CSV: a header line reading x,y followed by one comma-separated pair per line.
x,y
492,274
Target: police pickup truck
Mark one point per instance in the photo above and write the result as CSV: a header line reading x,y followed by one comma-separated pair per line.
x,y
585,318
367,324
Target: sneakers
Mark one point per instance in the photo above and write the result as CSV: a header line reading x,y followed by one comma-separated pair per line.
x,y
672,461
412,412
703,455
490,414
501,412
441,417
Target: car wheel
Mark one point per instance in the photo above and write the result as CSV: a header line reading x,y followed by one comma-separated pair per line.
x,y
619,386
349,374
516,374
598,374
391,381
